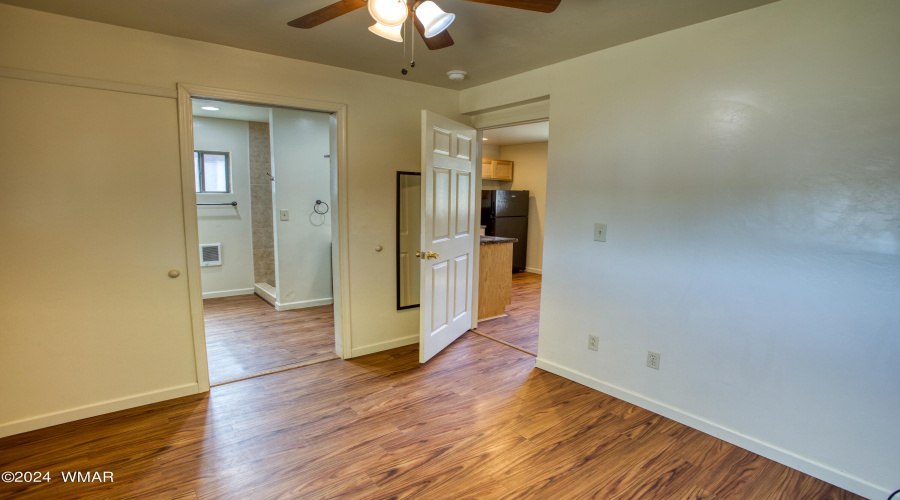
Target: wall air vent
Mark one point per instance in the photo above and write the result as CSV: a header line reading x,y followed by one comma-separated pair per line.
x,y
211,254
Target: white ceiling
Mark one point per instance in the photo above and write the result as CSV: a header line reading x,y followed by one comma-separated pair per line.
x,y
231,111
518,134
491,42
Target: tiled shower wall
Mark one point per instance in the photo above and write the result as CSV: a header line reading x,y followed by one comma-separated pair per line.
x,y
261,204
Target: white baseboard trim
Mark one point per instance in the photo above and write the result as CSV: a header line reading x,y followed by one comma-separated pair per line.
x,y
228,293
266,292
383,346
287,306
768,450
532,270
92,410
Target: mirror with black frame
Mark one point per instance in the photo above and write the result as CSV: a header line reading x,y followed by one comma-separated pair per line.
x,y
409,210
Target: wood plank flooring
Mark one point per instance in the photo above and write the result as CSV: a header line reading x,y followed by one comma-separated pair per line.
x,y
520,327
246,336
477,421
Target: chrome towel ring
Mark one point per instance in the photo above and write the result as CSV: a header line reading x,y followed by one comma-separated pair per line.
x,y
316,207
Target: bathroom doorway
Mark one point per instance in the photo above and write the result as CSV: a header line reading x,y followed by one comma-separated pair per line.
x,y
264,181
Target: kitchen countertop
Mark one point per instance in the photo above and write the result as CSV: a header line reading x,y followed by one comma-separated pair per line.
x,y
494,240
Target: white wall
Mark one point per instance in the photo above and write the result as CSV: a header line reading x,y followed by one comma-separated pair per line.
x,y
128,230
749,170
530,173
229,226
300,142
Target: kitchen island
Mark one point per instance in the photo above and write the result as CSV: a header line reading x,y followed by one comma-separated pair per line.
x,y
495,276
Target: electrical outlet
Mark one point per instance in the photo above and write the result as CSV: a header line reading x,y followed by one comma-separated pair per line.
x,y
599,232
285,215
593,342
653,360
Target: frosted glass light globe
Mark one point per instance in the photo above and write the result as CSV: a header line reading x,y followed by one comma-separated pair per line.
x,y
433,18
390,13
392,33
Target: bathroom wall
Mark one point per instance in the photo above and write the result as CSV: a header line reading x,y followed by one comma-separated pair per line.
x,y
229,226
261,204
300,143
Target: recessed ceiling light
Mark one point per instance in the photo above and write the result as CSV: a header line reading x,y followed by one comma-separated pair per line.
x,y
210,108
484,138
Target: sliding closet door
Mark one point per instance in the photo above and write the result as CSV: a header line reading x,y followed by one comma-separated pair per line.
x,y
91,223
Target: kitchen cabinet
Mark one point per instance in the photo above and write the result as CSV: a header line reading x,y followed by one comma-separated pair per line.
x,y
496,170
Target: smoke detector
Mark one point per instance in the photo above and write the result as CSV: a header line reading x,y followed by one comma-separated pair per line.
x,y
456,75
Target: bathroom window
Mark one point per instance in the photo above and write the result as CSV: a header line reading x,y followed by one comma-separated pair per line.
x,y
212,172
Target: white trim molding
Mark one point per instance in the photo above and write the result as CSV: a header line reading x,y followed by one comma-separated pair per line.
x,y
383,346
227,293
92,410
786,457
532,270
302,304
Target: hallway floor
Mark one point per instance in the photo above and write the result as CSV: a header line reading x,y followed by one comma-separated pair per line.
x,y
520,327
246,337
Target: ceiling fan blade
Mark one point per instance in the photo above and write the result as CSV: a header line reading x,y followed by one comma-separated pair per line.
x,y
545,6
328,13
439,41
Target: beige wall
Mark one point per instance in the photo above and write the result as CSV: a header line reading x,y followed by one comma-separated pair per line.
x,y
229,226
749,169
104,377
531,174
91,217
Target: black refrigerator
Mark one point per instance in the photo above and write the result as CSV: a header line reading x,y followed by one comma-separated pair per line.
x,y
505,213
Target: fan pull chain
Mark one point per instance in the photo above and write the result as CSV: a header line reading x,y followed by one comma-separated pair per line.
x,y
412,44
402,69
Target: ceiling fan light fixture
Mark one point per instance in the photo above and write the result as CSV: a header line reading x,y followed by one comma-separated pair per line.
x,y
433,18
389,13
393,33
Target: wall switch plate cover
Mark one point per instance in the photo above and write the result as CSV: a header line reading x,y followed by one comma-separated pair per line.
x,y
599,232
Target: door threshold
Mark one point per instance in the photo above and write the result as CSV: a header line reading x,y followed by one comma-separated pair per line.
x,y
279,369
507,344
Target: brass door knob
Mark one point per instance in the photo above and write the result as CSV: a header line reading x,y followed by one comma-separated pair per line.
x,y
419,255
431,255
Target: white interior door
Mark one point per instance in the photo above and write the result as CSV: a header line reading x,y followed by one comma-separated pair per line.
x,y
448,232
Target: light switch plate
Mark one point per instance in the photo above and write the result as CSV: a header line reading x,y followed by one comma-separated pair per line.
x,y
284,214
599,232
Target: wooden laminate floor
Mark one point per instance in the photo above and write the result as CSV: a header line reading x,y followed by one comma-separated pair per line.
x,y
477,421
520,326
246,336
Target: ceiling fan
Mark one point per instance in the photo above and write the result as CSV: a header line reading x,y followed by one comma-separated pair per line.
x,y
431,22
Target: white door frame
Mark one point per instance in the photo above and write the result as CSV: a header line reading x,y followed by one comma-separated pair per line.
x,y
340,250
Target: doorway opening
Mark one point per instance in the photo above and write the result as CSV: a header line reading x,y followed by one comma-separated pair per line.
x,y
514,187
265,185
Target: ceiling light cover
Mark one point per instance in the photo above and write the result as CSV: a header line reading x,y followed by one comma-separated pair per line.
x,y
390,13
433,19
210,108
393,33
456,75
